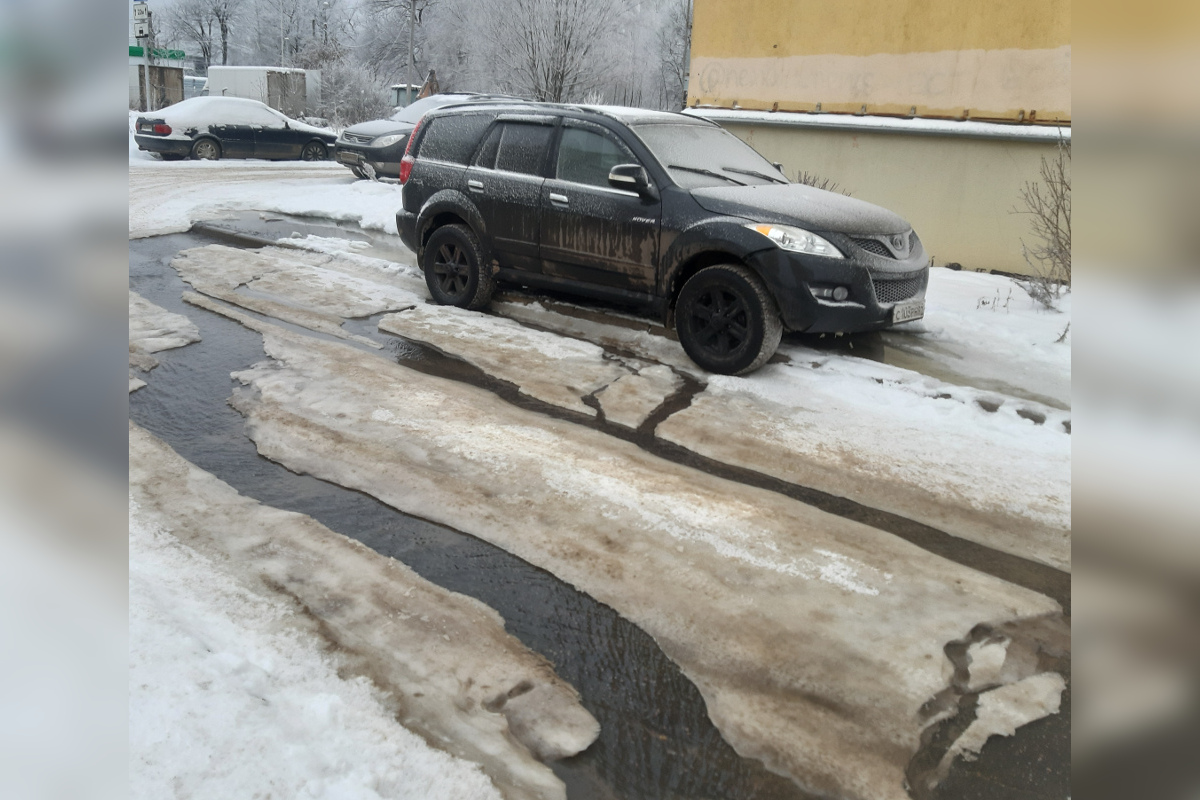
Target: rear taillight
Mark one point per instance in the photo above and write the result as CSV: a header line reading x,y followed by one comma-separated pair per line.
x,y
406,163
162,129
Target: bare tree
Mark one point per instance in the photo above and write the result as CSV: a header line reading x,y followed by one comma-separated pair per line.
x,y
1048,205
192,22
674,53
225,12
548,46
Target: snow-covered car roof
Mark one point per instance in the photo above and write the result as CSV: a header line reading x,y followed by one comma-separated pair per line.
x,y
201,112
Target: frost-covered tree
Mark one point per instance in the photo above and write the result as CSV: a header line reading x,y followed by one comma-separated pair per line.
x,y
674,52
188,23
548,48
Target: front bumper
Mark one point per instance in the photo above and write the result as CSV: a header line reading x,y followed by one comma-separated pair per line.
x,y
876,286
163,144
385,161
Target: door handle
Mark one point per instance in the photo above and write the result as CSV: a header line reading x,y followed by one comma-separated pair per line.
x,y
560,199
475,186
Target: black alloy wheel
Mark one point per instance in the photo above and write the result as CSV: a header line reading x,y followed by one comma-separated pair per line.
x,y
727,321
313,151
454,268
450,268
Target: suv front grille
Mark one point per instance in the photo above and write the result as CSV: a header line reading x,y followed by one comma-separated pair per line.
x,y
873,246
356,138
893,290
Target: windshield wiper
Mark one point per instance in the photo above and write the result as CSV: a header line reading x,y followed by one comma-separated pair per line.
x,y
707,172
756,174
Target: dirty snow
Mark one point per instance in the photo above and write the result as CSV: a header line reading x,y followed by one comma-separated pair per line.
x,y
632,398
987,329
314,290
727,578
226,703
546,366
243,617
1002,710
151,330
898,441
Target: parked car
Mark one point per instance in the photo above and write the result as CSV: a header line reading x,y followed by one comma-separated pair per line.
x,y
229,127
375,148
659,210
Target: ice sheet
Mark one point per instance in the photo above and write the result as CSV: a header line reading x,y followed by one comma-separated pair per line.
x,y
151,330
814,640
443,660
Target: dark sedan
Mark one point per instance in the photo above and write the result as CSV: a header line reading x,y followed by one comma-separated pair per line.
x,y
373,149
229,127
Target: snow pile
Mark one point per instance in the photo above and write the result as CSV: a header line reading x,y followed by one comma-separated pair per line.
x,y
314,290
167,197
152,329
815,641
898,441
547,366
226,701
986,328
235,609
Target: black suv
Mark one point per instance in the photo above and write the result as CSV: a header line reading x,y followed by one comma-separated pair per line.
x,y
663,211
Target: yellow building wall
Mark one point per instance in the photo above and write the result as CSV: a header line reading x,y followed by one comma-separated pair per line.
x,y
958,193
1002,60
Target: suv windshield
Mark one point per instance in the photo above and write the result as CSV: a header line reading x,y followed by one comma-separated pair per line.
x,y
705,155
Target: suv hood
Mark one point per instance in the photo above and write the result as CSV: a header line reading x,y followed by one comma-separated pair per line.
x,y
380,127
796,204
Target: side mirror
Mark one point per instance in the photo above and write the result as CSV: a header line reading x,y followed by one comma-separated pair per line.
x,y
632,178
777,165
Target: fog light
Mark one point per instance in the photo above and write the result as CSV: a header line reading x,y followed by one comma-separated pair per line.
x,y
841,293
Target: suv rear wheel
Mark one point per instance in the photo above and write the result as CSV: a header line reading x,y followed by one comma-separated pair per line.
x,y
454,268
726,320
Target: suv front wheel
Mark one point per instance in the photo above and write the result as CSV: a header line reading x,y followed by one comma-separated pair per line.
x,y
726,320
454,269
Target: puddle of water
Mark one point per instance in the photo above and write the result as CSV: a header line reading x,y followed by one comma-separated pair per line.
x,y
656,740
273,226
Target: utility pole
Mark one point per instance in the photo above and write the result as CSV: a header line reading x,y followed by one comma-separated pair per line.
x,y
143,31
412,24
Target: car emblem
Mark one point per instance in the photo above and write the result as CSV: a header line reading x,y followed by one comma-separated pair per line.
x,y
898,242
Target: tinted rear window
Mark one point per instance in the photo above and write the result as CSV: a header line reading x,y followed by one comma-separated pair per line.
x,y
452,138
523,147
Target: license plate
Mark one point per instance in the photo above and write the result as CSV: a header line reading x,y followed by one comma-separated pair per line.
x,y
348,157
906,312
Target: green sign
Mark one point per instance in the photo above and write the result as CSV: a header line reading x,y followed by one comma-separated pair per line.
x,y
171,55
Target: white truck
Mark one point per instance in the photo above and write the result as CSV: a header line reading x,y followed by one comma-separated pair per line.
x,y
294,92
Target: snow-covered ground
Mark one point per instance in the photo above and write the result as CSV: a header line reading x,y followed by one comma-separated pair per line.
x,y
168,196
979,464
223,702
242,619
815,641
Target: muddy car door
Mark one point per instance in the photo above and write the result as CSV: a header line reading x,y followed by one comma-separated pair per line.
x,y
592,231
505,182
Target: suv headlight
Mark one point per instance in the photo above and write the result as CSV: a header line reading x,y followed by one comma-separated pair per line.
x,y
797,240
388,141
